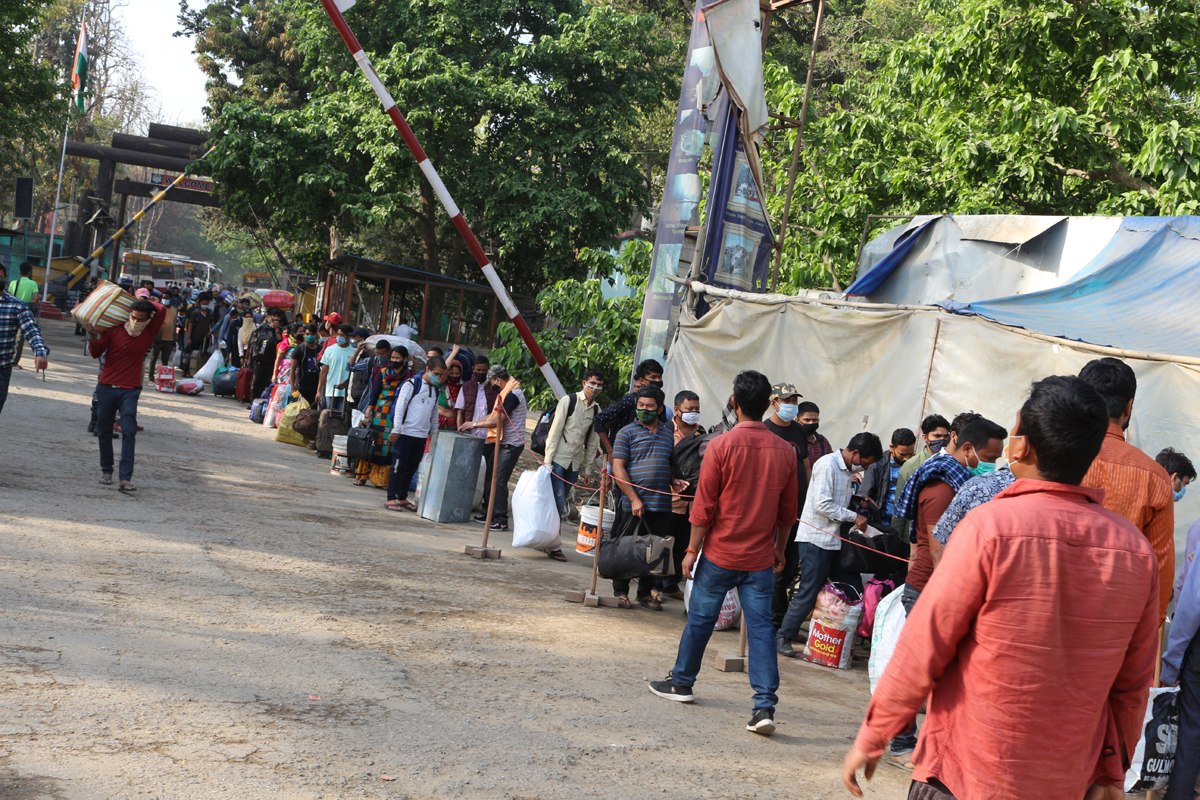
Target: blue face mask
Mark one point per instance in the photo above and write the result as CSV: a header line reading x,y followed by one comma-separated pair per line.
x,y
788,411
341,340
1179,495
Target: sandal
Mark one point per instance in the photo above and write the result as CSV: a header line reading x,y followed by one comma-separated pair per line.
x,y
557,555
393,505
106,478
623,601
360,481
652,602
407,506
126,486
903,761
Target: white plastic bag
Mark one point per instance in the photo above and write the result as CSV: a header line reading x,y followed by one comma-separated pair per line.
x,y
176,358
889,621
731,607
357,418
189,386
1154,757
209,370
534,514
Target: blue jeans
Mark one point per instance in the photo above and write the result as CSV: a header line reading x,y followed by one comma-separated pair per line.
x,y
108,400
710,584
816,565
560,488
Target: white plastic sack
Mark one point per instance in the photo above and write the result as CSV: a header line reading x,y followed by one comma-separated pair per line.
x,y
209,370
534,514
189,386
357,418
889,621
731,608
176,358
1154,757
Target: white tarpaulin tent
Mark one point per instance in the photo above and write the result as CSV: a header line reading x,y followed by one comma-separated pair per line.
x,y
879,369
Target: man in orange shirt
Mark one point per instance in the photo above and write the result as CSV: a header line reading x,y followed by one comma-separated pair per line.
x,y
1134,485
1034,640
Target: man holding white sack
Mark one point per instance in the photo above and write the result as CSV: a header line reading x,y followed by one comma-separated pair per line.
x,y
124,349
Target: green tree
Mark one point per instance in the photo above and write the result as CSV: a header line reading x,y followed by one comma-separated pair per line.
x,y
590,331
528,112
999,106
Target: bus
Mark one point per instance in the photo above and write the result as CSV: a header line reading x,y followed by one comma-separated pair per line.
x,y
253,281
167,269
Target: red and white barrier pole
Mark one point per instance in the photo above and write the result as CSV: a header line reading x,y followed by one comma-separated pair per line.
x,y
334,9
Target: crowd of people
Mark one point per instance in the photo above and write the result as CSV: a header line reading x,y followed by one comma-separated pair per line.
x,y
1041,558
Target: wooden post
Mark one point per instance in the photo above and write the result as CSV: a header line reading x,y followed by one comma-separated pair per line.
x,y
483,551
590,598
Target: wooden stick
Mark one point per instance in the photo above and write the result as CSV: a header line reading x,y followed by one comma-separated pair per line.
x,y
599,530
487,526
742,643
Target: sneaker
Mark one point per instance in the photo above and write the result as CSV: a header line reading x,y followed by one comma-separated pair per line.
x,y
480,518
325,454
499,525
668,689
762,722
91,427
784,647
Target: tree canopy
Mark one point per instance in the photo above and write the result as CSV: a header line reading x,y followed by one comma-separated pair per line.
x,y
528,112
996,106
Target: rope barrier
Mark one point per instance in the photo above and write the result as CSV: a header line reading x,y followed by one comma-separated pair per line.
x,y
521,439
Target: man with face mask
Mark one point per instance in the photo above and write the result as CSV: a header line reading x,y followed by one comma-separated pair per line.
x,y
783,422
809,417
937,434
623,412
1134,485
335,371
687,425
509,417
926,497
826,507
571,441
414,420
1179,469
119,386
476,399
879,482
199,325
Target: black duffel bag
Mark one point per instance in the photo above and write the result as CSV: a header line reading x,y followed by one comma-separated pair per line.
x,y
224,384
876,556
631,550
360,444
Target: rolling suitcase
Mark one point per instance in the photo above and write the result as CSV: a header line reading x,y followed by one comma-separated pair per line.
x,y
245,383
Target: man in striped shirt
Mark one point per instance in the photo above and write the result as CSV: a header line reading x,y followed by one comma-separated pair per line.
x,y
642,470
1134,485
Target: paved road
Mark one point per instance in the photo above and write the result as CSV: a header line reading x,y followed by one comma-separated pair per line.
x,y
170,645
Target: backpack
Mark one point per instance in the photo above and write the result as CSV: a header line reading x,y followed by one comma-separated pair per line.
x,y
687,457
416,384
537,442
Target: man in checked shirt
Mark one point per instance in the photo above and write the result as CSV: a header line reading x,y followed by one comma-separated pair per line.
x,y
16,316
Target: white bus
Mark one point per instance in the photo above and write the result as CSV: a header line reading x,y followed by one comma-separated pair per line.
x,y
168,269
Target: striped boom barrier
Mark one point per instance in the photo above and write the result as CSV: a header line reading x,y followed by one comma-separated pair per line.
x,y
136,219
334,9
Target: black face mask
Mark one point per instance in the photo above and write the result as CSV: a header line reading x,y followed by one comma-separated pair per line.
x,y
479,376
655,384
938,445
810,428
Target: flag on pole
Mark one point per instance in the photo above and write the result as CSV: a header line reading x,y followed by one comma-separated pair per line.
x,y
80,70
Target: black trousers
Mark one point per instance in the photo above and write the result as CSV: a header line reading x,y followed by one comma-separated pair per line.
x,y
1187,752
406,458
783,580
660,523
681,529
262,376
509,453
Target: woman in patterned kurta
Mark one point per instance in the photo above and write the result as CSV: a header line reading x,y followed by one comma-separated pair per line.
x,y
447,416
379,418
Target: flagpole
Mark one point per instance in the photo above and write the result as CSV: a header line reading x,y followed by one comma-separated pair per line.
x,y
62,161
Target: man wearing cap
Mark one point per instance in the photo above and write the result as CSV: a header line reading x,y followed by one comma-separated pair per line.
x,y
782,422
334,321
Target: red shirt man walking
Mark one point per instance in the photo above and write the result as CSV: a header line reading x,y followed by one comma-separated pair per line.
x,y
120,384
744,508
1035,638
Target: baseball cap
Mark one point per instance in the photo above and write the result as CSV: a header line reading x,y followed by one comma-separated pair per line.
x,y
782,390
335,318
143,292
497,371
125,280
361,333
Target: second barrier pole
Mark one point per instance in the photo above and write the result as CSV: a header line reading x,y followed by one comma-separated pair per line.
x,y
590,598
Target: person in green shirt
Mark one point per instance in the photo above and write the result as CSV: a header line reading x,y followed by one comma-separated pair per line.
x,y
25,289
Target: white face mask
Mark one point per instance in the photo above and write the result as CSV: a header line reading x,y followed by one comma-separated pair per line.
x,y
135,328
690,418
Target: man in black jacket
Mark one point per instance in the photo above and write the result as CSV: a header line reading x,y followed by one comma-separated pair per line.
x,y
879,483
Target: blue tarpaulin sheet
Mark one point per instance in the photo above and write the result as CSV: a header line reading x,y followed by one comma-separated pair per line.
x,y
879,273
1141,292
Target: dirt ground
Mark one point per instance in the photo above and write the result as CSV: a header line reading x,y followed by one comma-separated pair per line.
x,y
249,625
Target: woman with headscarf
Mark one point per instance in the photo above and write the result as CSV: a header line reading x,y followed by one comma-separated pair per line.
x,y
379,419
448,396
